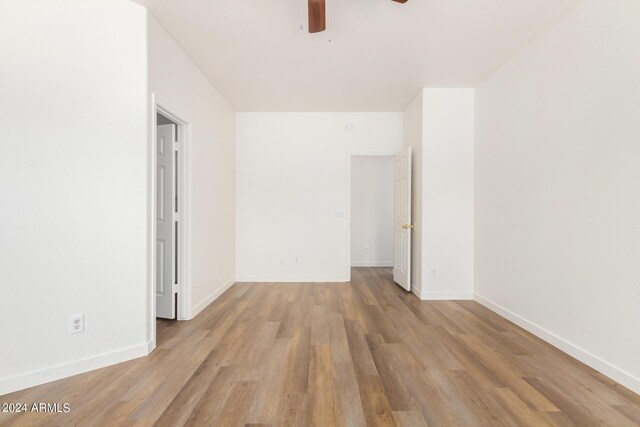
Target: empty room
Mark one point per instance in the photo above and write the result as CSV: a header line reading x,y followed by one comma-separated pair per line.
x,y
320,213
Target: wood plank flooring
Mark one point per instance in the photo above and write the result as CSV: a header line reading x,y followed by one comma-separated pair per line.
x,y
355,354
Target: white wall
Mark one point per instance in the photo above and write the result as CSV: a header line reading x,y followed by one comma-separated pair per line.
x,y
372,201
181,87
557,187
412,137
447,193
292,190
73,177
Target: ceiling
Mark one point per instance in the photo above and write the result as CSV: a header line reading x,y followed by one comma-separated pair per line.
x,y
374,56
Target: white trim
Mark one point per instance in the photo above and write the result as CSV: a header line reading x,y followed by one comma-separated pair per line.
x,y
211,298
68,369
305,278
372,264
604,367
444,296
151,226
151,345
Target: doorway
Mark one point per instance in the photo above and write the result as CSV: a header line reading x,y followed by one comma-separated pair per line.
x,y
379,210
167,241
170,227
372,201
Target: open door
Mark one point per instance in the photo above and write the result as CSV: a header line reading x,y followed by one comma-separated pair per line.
x,y
165,229
402,219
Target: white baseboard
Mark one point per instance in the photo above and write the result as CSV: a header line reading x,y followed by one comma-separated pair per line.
x,y
372,264
292,279
64,370
211,298
443,296
602,366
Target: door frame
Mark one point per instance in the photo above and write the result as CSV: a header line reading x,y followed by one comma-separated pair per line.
x,y
183,133
387,153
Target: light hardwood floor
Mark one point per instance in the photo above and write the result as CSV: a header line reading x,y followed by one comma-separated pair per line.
x,y
362,353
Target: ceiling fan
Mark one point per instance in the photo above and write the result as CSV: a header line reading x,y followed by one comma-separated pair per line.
x,y
317,15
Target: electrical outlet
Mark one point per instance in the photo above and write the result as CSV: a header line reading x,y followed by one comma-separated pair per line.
x,y
76,324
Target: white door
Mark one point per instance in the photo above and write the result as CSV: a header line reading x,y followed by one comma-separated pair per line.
x,y
402,219
165,229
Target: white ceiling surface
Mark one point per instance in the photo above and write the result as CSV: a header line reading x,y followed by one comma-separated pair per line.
x,y
374,56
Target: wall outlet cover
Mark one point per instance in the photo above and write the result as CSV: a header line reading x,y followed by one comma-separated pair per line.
x,y
76,324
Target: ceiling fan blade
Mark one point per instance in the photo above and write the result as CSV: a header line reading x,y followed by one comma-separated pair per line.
x,y
317,16
400,1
